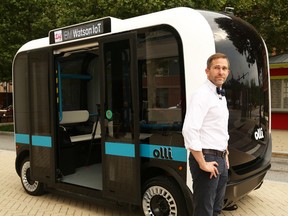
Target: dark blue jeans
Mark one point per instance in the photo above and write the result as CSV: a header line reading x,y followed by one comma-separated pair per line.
x,y
208,194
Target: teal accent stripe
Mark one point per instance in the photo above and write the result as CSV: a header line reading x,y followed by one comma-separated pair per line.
x,y
43,141
77,76
120,149
22,138
60,92
177,153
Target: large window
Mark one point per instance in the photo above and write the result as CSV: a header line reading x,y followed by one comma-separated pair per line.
x,y
279,94
31,86
21,94
39,92
160,81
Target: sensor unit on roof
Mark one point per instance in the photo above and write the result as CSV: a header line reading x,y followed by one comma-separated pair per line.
x,y
82,30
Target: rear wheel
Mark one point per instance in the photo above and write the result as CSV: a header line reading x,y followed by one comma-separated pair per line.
x,y
31,187
162,197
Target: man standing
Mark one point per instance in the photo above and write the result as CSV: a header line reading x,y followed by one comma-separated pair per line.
x,y
205,132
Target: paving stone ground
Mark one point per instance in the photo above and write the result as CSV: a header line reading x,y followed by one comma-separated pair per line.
x,y
271,199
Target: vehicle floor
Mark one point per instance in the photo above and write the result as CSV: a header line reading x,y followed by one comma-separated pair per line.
x,y
87,176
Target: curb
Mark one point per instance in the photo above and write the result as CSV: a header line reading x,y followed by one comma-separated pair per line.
x,y
279,154
6,133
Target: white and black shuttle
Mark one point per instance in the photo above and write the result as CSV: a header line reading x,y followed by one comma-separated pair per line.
x,y
99,107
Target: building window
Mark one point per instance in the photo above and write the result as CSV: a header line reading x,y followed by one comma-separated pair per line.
x,y
279,94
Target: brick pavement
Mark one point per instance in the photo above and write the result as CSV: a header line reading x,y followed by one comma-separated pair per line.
x,y
15,202
279,143
270,199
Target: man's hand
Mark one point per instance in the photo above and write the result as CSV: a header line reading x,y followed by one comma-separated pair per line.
x,y
210,167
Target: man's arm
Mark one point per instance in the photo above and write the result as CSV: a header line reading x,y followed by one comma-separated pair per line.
x,y
205,166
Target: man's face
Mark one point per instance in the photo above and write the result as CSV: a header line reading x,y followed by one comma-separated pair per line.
x,y
218,72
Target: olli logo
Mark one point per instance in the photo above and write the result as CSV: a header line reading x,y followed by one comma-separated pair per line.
x,y
163,153
259,134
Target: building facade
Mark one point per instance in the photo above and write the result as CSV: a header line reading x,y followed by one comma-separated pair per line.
x,y
279,91
5,94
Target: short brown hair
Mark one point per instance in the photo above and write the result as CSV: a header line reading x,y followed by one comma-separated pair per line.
x,y
216,56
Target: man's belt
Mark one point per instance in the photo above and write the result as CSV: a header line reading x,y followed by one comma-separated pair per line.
x,y
214,152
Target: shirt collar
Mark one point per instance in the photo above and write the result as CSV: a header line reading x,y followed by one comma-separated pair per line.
x,y
211,85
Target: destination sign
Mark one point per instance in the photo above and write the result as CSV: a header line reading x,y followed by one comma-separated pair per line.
x,y
82,30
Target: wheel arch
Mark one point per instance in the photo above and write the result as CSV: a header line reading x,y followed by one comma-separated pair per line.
x,y
19,159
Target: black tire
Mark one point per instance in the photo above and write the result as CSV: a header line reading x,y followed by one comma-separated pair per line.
x,y
162,197
34,188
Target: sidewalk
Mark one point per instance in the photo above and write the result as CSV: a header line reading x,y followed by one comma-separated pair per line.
x,y
280,143
270,199
14,201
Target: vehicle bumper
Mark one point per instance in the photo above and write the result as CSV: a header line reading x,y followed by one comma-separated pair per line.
x,y
237,189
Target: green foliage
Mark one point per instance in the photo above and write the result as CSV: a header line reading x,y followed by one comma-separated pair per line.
x,y
20,22
129,8
269,17
24,20
7,127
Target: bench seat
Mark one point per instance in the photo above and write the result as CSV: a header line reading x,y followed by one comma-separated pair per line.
x,y
79,116
83,137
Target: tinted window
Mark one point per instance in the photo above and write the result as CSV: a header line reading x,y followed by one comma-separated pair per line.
x,y
21,100
160,83
39,92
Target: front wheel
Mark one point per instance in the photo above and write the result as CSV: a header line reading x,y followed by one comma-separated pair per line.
x,y
32,187
162,197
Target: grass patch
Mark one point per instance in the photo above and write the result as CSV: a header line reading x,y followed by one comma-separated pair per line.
x,y
7,127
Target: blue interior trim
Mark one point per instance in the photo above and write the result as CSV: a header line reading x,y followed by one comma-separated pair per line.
x,y
59,91
77,76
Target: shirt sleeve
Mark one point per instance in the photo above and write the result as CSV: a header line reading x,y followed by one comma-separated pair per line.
x,y
197,108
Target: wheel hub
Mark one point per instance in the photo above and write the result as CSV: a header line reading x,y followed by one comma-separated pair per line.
x,y
160,206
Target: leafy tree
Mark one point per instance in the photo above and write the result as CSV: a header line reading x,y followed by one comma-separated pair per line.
x,y
269,17
20,22
129,8
24,20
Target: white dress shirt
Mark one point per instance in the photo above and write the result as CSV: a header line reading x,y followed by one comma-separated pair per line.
x,y
206,121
